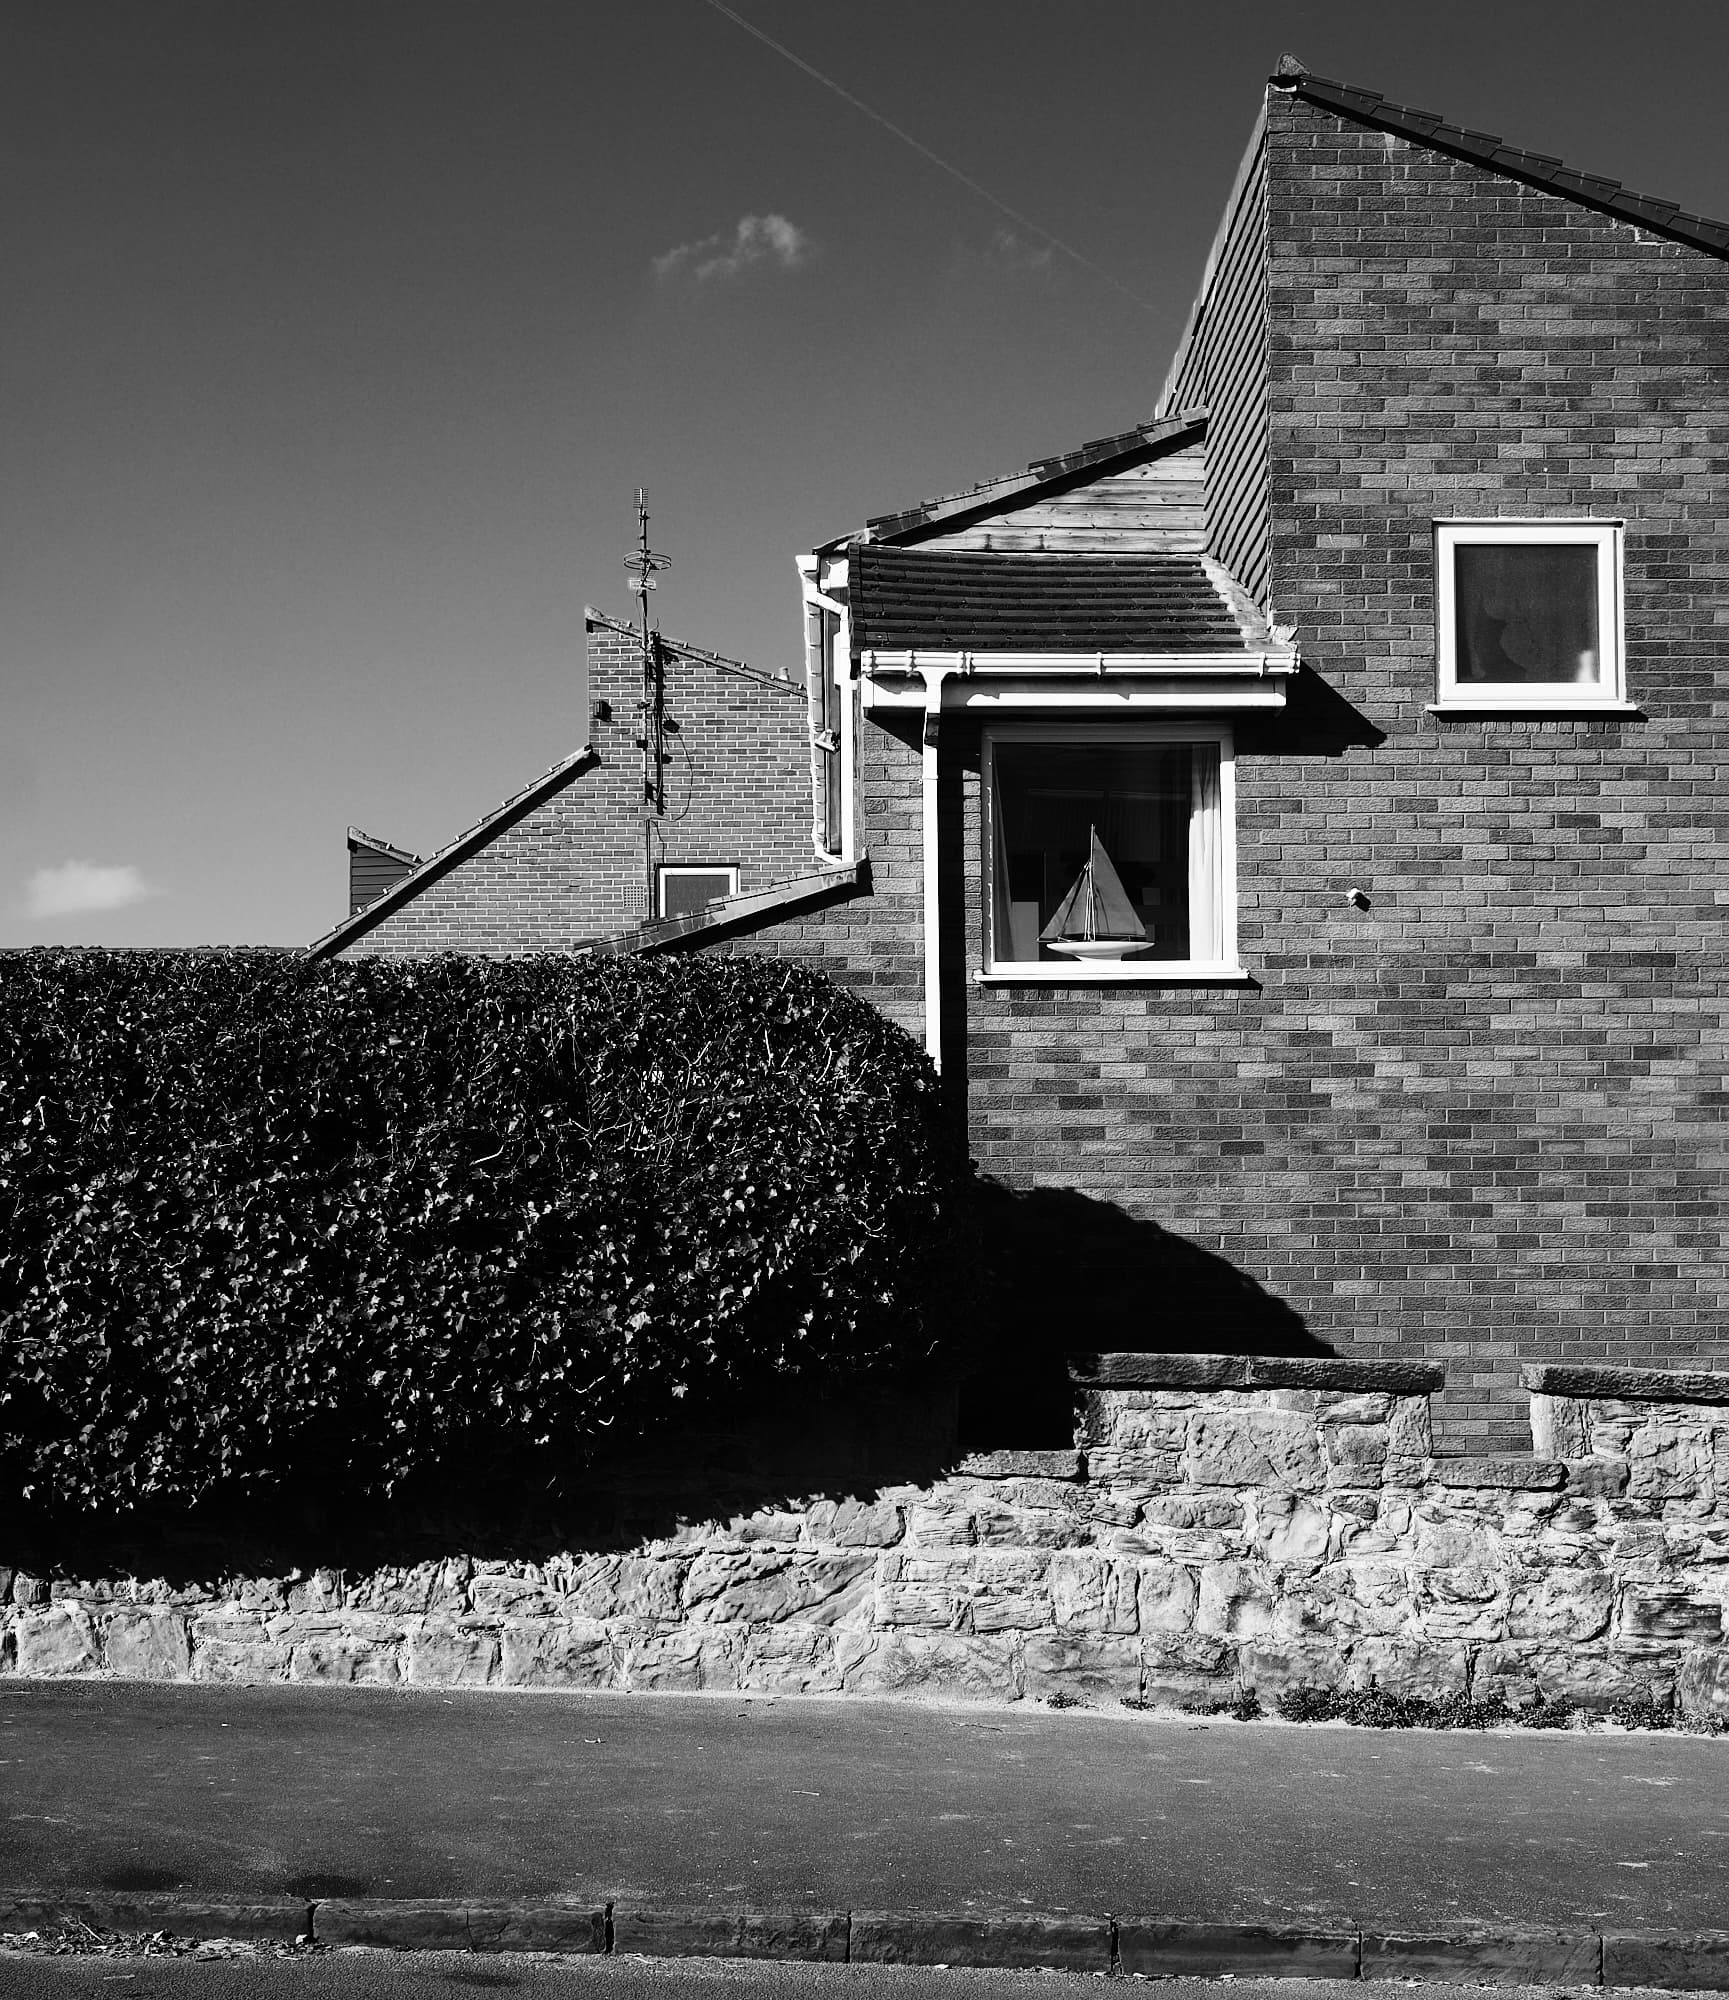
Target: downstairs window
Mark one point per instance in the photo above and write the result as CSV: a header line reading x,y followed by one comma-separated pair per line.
x,y
1110,853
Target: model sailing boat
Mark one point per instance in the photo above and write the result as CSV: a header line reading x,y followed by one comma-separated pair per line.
x,y
1096,919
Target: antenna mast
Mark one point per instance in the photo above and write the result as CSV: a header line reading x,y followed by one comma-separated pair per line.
x,y
644,565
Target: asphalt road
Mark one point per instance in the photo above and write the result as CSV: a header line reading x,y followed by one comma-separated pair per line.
x,y
851,1804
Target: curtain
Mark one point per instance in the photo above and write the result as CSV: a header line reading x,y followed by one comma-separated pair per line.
x,y
1206,856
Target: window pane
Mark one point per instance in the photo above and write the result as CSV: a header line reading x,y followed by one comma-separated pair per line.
x,y
685,893
1526,613
1051,799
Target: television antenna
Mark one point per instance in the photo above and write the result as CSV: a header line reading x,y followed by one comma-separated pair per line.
x,y
645,564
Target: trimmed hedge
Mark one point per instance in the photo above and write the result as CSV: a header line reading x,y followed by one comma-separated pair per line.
x,y
258,1213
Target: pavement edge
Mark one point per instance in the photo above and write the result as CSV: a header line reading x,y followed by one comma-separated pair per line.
x,y
1152,1946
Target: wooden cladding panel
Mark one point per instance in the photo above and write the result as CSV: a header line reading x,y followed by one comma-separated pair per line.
x,y
1223,368
370,874
1234,337
1151,509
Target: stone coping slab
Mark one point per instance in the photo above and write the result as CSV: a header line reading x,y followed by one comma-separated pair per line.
x,y
1499,1474
1258,1371
1021,1465
1625,1385
1153,1946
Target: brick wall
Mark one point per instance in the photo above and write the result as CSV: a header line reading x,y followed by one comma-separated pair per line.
x,y
579,864
1483,1120
1504,1106
874,945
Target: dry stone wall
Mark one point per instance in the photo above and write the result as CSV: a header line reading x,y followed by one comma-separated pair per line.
x,y
1221,1524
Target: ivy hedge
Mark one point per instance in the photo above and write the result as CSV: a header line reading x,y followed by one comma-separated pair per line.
x,y
258,1212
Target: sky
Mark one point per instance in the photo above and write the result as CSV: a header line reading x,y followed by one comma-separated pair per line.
x,y
338,339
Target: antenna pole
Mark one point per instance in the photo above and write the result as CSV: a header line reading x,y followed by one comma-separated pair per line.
x,y
644,565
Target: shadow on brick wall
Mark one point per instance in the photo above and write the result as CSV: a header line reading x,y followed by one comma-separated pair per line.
x,y
1069,1273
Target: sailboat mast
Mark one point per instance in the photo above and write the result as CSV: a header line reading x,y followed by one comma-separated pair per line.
x,y
1090,906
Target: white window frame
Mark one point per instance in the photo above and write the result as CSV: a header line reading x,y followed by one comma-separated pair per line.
x,y
1129,971
1608,691
669,871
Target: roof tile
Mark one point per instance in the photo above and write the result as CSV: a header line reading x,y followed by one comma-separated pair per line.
x,y
971,601
1487,150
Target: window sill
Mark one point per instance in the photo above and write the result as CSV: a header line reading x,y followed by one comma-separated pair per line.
x,y
1534,708
1152,972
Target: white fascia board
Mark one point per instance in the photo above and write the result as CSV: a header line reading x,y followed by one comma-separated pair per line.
x,y
1116,695
1112,697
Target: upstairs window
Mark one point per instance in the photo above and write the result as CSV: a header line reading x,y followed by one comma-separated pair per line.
x,y
1529,614
1109,855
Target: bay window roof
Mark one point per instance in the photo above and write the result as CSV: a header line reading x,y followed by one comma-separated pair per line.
x,y
913,599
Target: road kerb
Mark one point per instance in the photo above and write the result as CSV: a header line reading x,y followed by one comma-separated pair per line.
x,y
1688,1961
1481,1956
1073,1944
405,1924
261,1919
665,1931
574,1926
1161,1946
1478,1955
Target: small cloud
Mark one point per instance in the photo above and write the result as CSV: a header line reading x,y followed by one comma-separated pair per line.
x,y
755,239
81,888
1009,251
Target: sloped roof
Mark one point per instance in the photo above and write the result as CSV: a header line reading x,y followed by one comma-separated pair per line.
x,y
728,915
678,649
516,807
1096,460
951,600
1485,149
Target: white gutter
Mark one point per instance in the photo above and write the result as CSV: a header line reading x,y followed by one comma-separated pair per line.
x,y
992,683
1195,666
827,643
932,903
833,599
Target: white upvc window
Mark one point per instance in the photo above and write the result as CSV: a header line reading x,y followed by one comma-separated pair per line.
x,y
1110,853
1528,615
683,891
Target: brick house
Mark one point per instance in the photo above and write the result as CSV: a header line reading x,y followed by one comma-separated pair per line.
x,y
1385,666
582,855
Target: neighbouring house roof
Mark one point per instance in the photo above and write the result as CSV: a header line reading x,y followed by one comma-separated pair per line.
x,y
1484,149
1087,462
357,839
677,649
428,871
965,601
727,915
